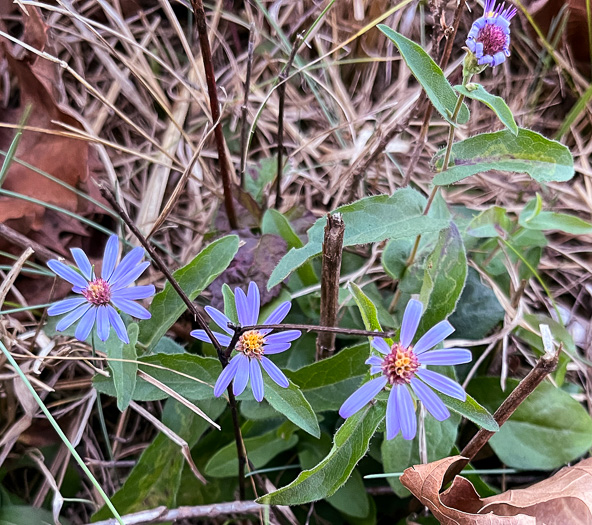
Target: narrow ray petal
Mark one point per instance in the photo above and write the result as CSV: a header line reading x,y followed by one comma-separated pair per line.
x,y
219,318
374,360
242,307
226,375
137,292
361,397
242,376
406,411
82,262
72,317
442,383
128,263
117,323
256,380
431,401
274,372
450,356
393,426
381,345
279,314
110,257
411,319
223,339
67,273
276,348
129,277
253,302
102,323
433,336
85,325
283,337
131,308
66,305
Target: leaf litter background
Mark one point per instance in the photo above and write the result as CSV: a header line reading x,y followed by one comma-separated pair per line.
x,y
119,100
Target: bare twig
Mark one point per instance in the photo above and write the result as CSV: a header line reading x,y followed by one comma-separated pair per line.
x,y
331,268
245,107
282,99
41,252
206,55
308,328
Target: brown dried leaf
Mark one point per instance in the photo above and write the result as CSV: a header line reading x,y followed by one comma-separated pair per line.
x,y
563,498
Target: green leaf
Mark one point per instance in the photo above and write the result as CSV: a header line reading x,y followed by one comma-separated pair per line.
x,y
529,152
25,515
367,308
493,102
229,303
399,454
257,177
190,375
350,444
155,479
548,430
124,373
193,278
372,219
429,75
548,220
492,222
444,278
329,382
292,404
260,451
471,410
274,222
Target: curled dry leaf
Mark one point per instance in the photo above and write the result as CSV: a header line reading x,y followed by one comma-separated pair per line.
x,y
563,498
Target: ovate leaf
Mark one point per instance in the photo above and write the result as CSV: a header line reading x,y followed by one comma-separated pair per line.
x,y
124,372
493,102
529,152
193,278
429,75
367,308
350,444
534,219
471,410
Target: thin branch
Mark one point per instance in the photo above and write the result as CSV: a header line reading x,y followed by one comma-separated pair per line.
x,y
308,328
245,107
206,55
282,98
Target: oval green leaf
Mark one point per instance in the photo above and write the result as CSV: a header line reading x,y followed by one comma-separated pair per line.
x,y
493,102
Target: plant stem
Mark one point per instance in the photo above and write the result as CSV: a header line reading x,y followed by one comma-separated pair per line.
x,y
242,460
245,106
206,55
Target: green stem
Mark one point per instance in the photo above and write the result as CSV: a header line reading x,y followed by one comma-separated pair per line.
x,y
60,433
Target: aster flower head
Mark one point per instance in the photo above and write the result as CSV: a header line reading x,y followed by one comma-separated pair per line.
x,y
489,37
101,296
252,346
403,373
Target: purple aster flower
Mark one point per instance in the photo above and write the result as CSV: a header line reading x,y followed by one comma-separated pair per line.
x,y
489,37
101,295
402,371
252,345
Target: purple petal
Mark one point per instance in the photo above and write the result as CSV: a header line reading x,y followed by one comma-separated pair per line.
x,y
362,396
393,426
86,323
253,302
374,360
131,308
375,370
242,307
381,345
442,383
450,356
102,323
127,264
223,339
431,401
66,305
117,323
274,372
279,314
110,257
129,277
256,379
283,337
411,319
433,336
276,348
65,272
241,377
137,292
219,318
406,411
82,262
72,317
226,375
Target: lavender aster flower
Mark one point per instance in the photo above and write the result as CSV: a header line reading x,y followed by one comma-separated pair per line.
x,y
489,37
252,345
402,370
101,295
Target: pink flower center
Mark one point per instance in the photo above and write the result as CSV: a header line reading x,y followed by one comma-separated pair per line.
x,y
493,39
251,344
400,365
98,292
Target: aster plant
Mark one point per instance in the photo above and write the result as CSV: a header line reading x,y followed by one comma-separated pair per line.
x,y
102,297
252,345
402,369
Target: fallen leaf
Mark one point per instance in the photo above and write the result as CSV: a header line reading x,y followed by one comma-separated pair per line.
x,y
563,498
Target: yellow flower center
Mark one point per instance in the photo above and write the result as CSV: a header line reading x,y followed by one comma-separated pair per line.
x,y
400,365
251,344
